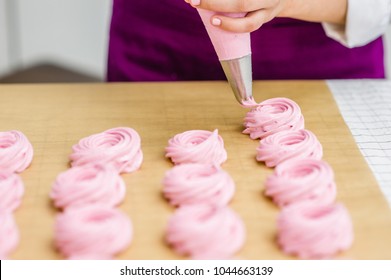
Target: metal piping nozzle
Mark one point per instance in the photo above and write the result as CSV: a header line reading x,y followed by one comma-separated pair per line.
x,y
239,75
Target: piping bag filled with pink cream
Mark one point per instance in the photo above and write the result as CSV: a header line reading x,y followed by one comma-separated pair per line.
x,y
234,52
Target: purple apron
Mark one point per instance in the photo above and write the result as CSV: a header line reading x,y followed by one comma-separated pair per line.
x,y
166,41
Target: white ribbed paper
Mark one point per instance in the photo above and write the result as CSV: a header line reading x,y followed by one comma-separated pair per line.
x,y
365,106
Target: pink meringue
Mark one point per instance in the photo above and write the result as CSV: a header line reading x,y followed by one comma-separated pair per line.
x,y
118,147
11,191
9,234
289,144
249,103
92,232
16,151
197,146
271,116
313,231
193,183
205,232
88,184
301,179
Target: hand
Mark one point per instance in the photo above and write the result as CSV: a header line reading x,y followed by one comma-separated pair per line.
x,y
258,12
262,11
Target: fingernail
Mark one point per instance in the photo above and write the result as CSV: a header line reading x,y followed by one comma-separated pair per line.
x,y
216,21
195,2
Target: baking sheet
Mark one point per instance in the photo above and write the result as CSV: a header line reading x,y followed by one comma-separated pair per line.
x,y
54,117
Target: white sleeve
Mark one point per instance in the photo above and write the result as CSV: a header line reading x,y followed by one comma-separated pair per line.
x,y
366,21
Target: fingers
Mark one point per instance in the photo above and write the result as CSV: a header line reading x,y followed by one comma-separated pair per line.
x,y
233,5
258,13
251,22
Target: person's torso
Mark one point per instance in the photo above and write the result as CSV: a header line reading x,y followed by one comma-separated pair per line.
x,y
166,40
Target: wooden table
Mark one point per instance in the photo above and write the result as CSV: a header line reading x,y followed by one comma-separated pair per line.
x,y
54,117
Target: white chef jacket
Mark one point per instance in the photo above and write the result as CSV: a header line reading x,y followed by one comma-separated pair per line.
x,y
366,21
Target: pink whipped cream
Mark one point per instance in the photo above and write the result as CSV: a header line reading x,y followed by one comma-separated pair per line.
x,y
11,191
197,146
205,232
9,234
250,103
312,231
194,183
16,151
92,232
289,144
118,147
271,116
88,184
300,180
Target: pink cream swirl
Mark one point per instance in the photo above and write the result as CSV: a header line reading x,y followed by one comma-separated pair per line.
x,y
11,191
88,184
16,151
9,234
205,232
301,180
194,183
289,144
271,116
118,147
197,146
92,232
312,231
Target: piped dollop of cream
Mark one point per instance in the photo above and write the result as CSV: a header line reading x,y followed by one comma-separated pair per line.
x,y
9,234
300,180
195,183
289,144
312,231
11,191
16,151
92,232
271,116
118,147
197,146
88,184
205,232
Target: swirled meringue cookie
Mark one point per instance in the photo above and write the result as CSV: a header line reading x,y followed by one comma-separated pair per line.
x,y
88,184
289,144
205,232
9,234
16,151
197,146
312,231
271,116
92,232
11,191
193,183
301,180
118,147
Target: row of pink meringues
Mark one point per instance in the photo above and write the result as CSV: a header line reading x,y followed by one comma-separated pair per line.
x,y
90,227
202,226
311,224
16,154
